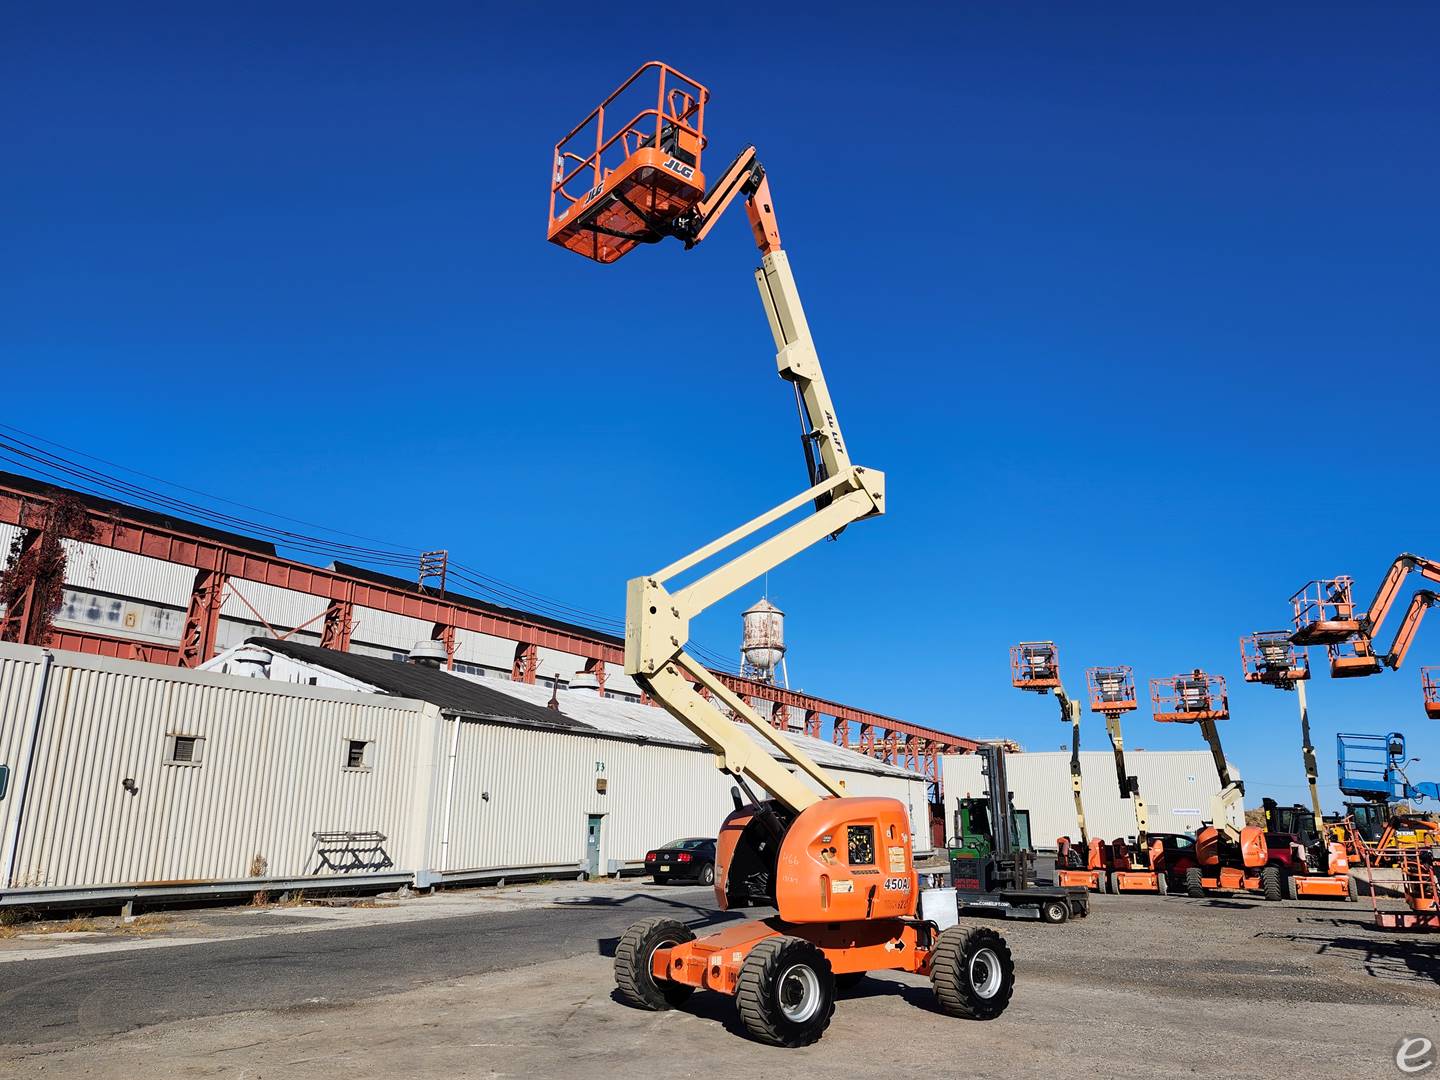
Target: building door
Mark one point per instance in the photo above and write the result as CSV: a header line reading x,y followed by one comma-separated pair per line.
x,y
592,844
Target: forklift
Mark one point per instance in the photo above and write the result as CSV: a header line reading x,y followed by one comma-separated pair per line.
x,y
992,865
839,870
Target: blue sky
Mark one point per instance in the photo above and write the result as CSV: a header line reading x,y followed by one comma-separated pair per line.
x,y
1135,311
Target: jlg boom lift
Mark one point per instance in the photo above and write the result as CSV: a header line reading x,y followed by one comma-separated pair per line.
x,y
1231,858
1325,614
1142,865
1035,667
838,869
1269,657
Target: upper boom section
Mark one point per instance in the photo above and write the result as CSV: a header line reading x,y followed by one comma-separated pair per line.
x,y
644,184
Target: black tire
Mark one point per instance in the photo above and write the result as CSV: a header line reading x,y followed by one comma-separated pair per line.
x,y
1162,887
1292,888
1194,883
1272,882
1109,880
1352,890
1054,911
707,874
849,980
785,993
637,945
972,973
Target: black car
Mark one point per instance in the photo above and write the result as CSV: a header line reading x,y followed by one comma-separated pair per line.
x,y
692,859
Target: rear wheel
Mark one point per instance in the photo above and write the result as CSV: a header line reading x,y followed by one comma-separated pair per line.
x,y
707,874
785,993
1194,883
1292,888
1162,887
632,964
1110,883
1352,889
1272,882
1054,911
972,973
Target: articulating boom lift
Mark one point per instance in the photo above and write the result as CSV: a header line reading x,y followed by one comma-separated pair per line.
x,y
1035,667
838,869
1145,864
1269,657
1231,858
1325,614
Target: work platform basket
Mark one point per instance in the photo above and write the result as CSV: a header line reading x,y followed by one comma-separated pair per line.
x,y
1035,665
1187,699
1112,689
1269,657
1430,688
627,171
1325,612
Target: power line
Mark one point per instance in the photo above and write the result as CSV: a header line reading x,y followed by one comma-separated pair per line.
x,y
67,472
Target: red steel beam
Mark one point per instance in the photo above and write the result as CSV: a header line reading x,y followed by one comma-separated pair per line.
x,y
114,529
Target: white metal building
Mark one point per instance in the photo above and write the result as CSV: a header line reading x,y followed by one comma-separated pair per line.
x,y
124,775
1177,786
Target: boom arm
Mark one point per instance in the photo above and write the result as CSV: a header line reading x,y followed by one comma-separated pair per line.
x,y
1129,785
657,620
1405,636
1232,792
1070,710
1374,616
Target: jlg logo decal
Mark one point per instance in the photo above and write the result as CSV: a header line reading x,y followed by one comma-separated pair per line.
x,y
679,167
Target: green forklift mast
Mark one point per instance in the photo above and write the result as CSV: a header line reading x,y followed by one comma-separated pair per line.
x,y
984,858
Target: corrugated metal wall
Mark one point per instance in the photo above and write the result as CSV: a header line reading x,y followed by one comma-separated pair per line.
x,y
542,788
271,772
1177,787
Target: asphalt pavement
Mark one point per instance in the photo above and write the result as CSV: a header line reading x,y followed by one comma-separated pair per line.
x,y
81,998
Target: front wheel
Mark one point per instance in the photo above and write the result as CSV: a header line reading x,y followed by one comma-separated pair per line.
x,y
1271,882
972,973
785,993
633,954
1054,911
1194,883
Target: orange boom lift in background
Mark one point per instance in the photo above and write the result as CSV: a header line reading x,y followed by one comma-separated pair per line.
x,y
839,870
1231,858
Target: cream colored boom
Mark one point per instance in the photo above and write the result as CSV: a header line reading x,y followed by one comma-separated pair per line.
x,y
1070,713
657,620
1142,812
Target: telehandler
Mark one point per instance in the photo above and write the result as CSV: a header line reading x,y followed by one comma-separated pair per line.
x,y
838,869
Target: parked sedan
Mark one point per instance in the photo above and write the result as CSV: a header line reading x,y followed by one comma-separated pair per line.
x,y
691,859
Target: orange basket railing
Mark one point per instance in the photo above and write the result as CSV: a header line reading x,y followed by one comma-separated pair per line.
x,y
1268,657
678,105
1189,697
1112,689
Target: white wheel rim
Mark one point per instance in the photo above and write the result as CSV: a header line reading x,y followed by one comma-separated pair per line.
x,y
798,992
985,973
650,960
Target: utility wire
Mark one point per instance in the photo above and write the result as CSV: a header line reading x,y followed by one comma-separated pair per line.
x,y
27,456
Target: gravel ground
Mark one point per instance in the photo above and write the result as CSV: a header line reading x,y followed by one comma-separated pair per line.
x,y
1146,987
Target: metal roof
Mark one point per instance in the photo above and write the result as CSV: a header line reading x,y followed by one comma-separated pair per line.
x,y
646,723
449,692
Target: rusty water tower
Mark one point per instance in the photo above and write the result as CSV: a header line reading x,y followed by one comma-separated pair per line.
x,y
762,642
